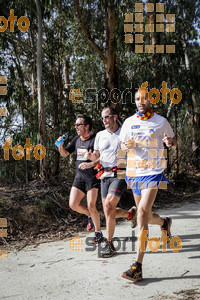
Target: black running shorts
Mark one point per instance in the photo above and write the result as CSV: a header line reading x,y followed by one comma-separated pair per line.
x,y
112,185
85,186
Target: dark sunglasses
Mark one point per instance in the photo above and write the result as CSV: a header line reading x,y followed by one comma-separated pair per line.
x,y
78,124
107,117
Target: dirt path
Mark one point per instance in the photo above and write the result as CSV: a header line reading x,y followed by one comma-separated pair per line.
x,y
54,271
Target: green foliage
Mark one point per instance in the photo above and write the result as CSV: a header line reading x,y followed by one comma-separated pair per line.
x,y
65,41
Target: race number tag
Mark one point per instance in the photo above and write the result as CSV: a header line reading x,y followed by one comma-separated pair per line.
x,y
81,153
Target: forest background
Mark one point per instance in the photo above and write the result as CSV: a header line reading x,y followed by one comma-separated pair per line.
x,y
81,45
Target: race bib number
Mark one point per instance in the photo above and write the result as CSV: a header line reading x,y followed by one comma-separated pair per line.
x,y
81,153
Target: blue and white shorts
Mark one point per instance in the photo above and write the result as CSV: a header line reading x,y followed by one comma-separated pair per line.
x,y
146,182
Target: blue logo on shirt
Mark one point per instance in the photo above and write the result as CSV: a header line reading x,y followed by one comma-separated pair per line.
x,y
135,126
151,130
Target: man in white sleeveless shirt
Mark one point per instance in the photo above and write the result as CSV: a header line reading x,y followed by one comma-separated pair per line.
x,y
142,136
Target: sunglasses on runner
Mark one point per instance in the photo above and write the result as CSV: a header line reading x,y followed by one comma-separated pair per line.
x,y
107,117
78,124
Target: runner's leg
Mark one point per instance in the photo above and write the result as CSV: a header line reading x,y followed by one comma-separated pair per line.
x,y
144,213
75,198
91,202
109,205
155,219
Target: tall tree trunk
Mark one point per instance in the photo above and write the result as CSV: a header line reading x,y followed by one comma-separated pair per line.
x,y
110,52
41,108
194,109
34,67
176,164
109,58
66,74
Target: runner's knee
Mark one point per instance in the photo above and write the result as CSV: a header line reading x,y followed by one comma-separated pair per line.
x,y
110,207
142,214
73,205
92,208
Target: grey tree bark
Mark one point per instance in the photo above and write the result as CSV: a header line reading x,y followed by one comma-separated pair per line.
x,y
41,107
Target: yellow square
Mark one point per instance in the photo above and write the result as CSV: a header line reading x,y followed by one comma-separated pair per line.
x,y
141,143
128,27
131,143
138,27
149,48
3,232
141,164
160,7
170,27
151,164
162,153
139,38
170,18
129,17
3,111
152,143
138,17
138,7
128,187
162,185
131,184
131,163
149,7
138,48
159,17
170,48
131,173
152,153
160,49
131,153
121,174
152,185
163,164
160,28
3,79
149,28
121,153
128,38
3,222
3,253
71,96
121,163
3,90
142,184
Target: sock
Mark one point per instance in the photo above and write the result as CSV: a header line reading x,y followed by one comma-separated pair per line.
x,y
110,243
137,264
98,231
130,215
164,223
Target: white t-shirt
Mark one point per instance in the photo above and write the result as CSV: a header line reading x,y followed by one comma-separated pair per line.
x,y
107,144
147,157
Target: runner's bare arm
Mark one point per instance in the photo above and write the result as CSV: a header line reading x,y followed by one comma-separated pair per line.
x,y
128,144
170,142
63,152
96,157
93,156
